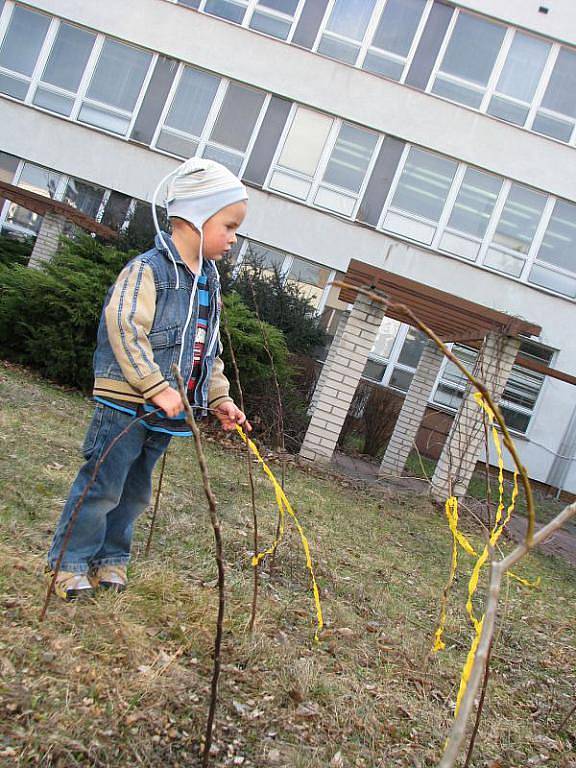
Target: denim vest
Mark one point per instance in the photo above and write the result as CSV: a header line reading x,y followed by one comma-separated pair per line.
x,y
174,326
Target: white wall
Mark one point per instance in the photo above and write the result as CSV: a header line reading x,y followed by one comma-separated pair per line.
x,y
336,88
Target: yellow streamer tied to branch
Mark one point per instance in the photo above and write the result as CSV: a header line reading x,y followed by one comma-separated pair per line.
x,y
285,506
459,538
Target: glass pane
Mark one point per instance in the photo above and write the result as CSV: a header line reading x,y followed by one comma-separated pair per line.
x,y
339,49
523,67
231,160
507,110
475,203
285,6
226,9
552,126
40,180
190,3
559,244
523,387
23,40
350,157
386,338
270,25
305,141
398,25
515,419
102,118
484,38
8,165
424,184
448,396
84,197
537,352
560,95
192,101
119,75
400,379
310,279
269,259
237,117
555,281
55,102
68,57
412,348
381,65
463,94
374,371
503,262
453,374
519,219
350,18
12,86
177,145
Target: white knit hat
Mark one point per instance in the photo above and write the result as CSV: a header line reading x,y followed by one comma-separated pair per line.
x,y
200,188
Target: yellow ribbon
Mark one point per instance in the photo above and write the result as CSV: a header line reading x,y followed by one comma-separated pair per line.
x,y
459,538
285,506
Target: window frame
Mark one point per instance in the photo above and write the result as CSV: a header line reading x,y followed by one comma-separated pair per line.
x,y
316,180
391,362
79,98
203,139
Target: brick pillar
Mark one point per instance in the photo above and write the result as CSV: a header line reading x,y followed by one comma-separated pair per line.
x,y
47,240
332,353
412,412
460,453
338,386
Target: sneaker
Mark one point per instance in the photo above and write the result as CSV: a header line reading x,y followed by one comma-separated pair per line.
x,y
68,585
110,577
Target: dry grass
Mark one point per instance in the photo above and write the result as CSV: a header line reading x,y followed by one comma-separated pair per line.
x,y
123,680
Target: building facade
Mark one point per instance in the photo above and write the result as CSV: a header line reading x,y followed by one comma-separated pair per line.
x,y
431,139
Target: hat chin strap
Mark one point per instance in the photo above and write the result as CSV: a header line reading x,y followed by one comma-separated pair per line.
x,y
157,226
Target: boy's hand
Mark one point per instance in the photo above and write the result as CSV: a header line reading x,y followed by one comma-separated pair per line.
x,y
170,402
229,415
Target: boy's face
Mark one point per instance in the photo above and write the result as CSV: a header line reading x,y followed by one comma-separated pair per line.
x,y
220,230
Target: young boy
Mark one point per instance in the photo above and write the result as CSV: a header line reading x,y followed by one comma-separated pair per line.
x,y
164,308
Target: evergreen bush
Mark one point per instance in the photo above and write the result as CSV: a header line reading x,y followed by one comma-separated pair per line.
x,y
15,251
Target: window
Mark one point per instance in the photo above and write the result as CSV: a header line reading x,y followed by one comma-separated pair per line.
x,y
64,69
20,49
394,37
310,279
471,214
469,59
301,153
395,355
515,230
115,86
557,113
519,78
274,17
420,195
346,169
345,29
43,182
85,197
555,266
234,126
186,119
520,393
233,10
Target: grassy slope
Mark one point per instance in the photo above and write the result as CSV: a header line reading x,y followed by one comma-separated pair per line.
x,y
122,680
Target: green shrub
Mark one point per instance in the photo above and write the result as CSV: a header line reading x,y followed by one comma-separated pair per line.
x,y
14,251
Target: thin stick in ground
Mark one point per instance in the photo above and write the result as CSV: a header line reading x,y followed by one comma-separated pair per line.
x,y
156,504
279,411
78,505
215,520
250,478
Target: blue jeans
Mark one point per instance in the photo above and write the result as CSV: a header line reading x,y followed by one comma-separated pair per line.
x,y
102,532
